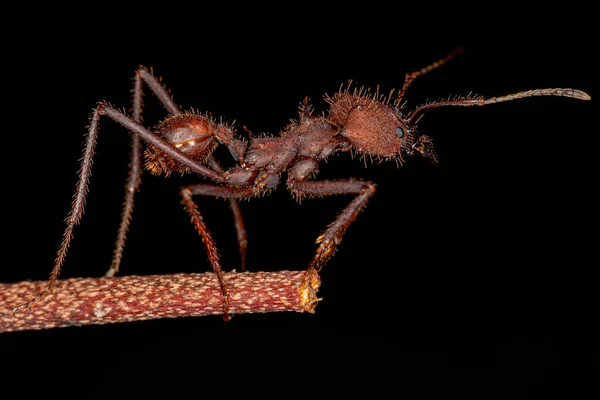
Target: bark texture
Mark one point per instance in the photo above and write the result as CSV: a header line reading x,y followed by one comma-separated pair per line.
x,y
83,301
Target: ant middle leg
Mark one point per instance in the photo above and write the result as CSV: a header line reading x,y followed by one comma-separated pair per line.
x,y
238,220
187,192
240,229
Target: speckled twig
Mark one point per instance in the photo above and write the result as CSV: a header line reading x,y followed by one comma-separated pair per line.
x,y
83,301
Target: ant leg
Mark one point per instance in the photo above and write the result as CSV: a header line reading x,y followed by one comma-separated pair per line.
x,y
77,208
135,167
156,141
240,229
161,93
131,187
132,184
78,204
332,237
187,192
409,78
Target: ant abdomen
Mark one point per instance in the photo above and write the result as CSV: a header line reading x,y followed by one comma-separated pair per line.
x,y
194,135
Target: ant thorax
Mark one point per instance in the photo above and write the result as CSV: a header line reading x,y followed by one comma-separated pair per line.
x,y
309,138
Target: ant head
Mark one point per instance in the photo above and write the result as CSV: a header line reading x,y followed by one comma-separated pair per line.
x,y
370,128
376,129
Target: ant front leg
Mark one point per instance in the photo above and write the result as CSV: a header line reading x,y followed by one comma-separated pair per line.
x,y
187,192
332,237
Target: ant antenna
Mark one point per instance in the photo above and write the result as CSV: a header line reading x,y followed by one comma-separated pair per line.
x,y
480,101
410,77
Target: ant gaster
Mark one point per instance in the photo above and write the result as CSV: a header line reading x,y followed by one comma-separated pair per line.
x,y
358,121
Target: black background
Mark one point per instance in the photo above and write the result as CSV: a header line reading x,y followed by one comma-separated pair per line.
x,y
472,277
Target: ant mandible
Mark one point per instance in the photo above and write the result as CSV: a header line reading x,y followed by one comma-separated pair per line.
x,y
359,121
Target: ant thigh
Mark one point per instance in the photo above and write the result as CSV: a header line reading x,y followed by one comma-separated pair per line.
x,y
225,192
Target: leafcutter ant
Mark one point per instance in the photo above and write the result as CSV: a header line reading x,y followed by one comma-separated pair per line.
x,y
358,121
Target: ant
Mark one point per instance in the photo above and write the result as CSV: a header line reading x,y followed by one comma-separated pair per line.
x,y
358,121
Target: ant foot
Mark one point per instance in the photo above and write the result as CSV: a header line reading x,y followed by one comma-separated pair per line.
x,y
225,293
110,273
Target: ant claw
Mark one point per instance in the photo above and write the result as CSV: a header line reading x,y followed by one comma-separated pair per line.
x,y
110,273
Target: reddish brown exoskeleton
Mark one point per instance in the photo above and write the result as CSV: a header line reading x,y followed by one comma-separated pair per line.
x,y
367,124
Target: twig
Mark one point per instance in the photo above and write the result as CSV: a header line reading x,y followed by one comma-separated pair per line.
x,y
84,301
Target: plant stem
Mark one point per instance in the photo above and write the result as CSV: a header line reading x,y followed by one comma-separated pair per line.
x,y
84,301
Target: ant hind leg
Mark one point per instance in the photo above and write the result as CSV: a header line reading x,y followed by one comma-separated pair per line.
x,y
142,76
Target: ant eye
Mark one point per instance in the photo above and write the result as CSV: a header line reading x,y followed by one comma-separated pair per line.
x,y
399,132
